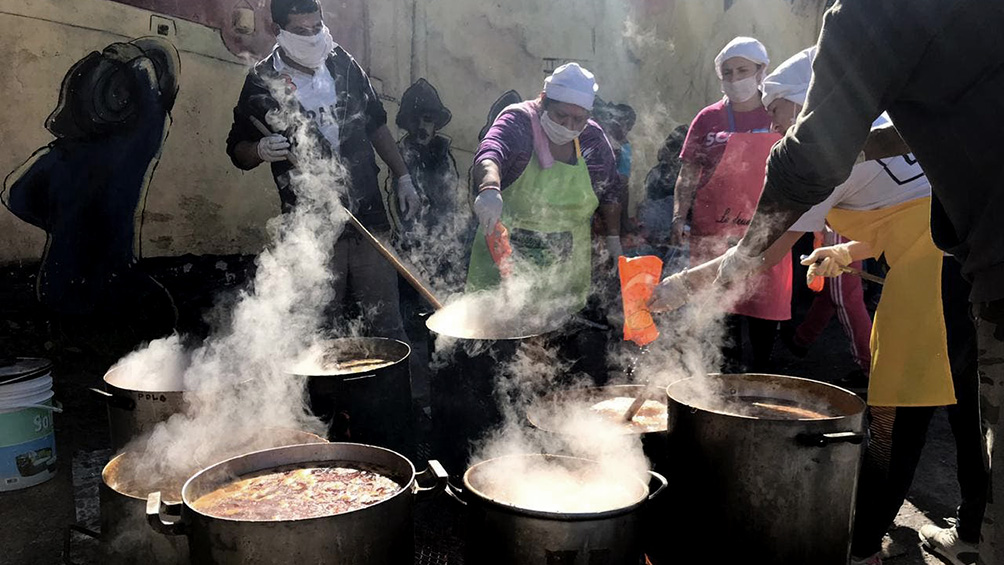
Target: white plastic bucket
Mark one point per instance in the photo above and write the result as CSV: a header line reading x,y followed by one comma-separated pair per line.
x,y
27,438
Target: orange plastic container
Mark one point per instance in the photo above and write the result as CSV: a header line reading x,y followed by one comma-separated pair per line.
x,y
499,249
639,275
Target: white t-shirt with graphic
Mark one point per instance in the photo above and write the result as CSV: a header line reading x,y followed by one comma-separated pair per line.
x,y
317,95
873,185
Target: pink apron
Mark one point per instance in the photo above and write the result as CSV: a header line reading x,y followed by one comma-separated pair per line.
x,y
722,212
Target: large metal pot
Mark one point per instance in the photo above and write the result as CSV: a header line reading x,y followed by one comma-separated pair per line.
x,y
360,404
381,534
474,340
499,533
774,486
134,411
125,536
543,413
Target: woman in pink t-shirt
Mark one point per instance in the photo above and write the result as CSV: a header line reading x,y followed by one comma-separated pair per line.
x,y
724,159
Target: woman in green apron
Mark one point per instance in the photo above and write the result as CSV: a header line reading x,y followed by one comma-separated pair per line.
x,y
542,171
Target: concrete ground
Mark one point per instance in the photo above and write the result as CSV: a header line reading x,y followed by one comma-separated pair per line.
x,y
34,522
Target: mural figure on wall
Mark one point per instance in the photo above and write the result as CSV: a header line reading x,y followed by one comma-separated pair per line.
x,y
507,99
87,188
442,223
428,154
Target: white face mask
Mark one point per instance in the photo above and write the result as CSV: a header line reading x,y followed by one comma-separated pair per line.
x,y
741,90
308,50
557,133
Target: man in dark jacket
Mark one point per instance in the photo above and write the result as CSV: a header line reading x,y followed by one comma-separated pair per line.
x,y
309,76
937,67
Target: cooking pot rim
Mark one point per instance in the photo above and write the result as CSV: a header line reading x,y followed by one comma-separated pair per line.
x,y
436,324
472,494
532,411
847,396
406,489
115,461
109,378
406,351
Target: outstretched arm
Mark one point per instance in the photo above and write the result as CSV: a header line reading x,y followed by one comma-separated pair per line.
x,y
857,72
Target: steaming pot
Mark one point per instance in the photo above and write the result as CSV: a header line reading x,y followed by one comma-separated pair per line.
x,y
779,486
370,406
464,405
381,534
125,536
654,442
133,412
499,533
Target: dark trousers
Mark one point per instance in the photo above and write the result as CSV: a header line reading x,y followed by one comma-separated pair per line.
x,y
762,334
899,434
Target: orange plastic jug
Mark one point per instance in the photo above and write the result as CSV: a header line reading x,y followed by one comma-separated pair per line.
x,y
639,275
816,284
499,249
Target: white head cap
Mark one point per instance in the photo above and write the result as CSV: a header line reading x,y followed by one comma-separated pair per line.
x,y
572,84
790,80
745,47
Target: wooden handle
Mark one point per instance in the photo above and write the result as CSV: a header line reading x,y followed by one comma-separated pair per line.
x,y
392,258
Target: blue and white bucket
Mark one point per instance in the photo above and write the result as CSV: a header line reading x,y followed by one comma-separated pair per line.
x,y
27,438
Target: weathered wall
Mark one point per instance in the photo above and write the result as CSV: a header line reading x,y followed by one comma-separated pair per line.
x,y
653,54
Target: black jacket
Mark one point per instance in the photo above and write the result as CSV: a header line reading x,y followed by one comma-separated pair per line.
x,y
937,66
359,113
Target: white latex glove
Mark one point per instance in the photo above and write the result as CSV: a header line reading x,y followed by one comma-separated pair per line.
x,y
273,148
407,197
671,294
488,208
828,261
737,265
614,247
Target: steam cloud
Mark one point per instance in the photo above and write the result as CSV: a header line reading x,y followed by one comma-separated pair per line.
x,y
236,381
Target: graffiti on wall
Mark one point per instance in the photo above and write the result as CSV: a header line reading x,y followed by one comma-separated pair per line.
x,y
245,25
87,188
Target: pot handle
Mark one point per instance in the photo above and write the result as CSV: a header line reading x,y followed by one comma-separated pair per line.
x,y
155,511
663,483
454,494
436,471
823,440
115,400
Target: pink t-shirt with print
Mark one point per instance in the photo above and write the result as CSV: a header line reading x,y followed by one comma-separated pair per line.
x,y
705,143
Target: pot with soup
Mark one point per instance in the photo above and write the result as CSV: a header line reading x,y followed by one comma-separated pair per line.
x,y
770,461
338,503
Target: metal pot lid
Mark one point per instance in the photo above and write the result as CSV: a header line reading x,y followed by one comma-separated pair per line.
x,y
16,369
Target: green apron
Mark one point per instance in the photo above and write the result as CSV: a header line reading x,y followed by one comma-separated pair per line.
x,y
548,213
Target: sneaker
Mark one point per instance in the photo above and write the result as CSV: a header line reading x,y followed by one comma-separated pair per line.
x,y
871,560
945,543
